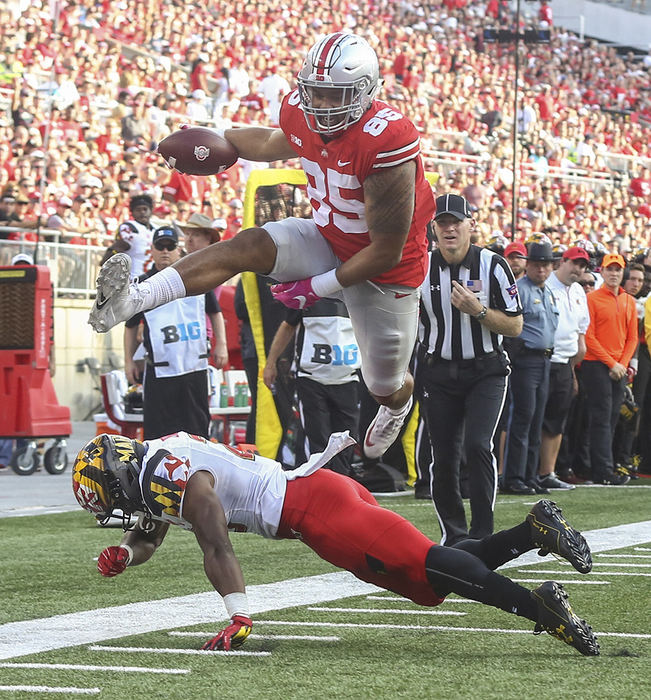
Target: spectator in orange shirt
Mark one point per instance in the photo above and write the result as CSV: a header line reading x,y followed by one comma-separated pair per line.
x,y
611,340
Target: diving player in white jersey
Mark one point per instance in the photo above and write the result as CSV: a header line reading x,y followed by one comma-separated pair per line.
x,y
210,488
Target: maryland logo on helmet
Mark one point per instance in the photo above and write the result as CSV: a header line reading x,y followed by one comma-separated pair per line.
x,y
105,474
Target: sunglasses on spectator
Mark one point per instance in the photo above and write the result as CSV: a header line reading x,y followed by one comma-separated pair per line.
x,y
165,245
587,284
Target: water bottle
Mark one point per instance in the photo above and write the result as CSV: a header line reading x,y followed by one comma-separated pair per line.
x,y
223,395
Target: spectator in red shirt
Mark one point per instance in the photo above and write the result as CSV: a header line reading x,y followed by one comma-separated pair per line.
x,y
545,14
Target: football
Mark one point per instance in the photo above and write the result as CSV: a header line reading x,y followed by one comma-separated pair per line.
x,y
197,150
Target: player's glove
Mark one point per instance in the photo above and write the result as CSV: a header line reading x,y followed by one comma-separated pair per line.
x,y
296,295
231,637
113,561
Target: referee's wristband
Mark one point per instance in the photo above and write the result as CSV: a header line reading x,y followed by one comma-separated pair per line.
x,y
482,314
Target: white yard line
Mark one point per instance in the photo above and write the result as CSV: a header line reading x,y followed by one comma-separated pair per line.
x,y
579,582
434,628
187,652
91,667
48,689
400,599
92,626
601,573
270,637
384,611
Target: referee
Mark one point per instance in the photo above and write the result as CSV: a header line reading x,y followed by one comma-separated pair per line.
x,y
469,301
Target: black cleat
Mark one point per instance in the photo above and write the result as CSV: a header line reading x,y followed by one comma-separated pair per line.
x,y
556,617
552,533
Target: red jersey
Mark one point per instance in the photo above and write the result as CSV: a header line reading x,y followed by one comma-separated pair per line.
x,y
185,188
336,172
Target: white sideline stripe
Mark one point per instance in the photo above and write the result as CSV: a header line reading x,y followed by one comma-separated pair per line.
x,y
642,549
270,637
187,652
435,628
601,573
49,689
91,626
390,611
563,581
400,599
90,667
621,563
625,556
611,563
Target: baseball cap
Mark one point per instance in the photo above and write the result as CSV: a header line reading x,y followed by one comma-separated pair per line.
x,y
453,204
541,252
516,248
576,253
613,259
22,259
163,233
64,202
219,223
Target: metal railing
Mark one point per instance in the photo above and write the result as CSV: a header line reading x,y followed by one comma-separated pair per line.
x,y
73,268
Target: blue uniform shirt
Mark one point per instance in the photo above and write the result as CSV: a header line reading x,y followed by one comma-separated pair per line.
x,y
540,315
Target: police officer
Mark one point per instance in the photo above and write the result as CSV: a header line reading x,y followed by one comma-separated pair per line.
x,y
469,301
175,382
530,354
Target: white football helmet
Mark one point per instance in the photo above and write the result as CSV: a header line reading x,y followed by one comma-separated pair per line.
x,y
343,62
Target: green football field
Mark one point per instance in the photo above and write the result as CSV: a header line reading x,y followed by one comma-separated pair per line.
x,y
318,633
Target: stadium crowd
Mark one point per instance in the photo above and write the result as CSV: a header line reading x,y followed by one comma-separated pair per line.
x,y
88,96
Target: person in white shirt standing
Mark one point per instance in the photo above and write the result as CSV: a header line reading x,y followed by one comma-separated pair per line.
x,y
569,349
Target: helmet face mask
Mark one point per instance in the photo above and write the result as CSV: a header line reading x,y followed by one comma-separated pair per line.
x,y
338,82
105,476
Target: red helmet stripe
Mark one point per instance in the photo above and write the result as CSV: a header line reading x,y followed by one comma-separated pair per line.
x,y
323,54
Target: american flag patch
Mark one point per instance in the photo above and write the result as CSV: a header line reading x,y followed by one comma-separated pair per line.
x,y
512,291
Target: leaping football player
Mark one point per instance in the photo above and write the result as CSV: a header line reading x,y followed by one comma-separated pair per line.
x,y
211,488
366,240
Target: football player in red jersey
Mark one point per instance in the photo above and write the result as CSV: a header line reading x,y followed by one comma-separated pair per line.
x,y
366,240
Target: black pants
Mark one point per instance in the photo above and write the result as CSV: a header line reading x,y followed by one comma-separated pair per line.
x,y
603,400
575,447
462,403
326,409
172,404
642,394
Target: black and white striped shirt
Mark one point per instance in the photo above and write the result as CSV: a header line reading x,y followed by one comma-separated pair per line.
x,y
443,330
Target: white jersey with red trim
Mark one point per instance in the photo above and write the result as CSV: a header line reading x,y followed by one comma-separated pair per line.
x,y
336,171
250,488
139,237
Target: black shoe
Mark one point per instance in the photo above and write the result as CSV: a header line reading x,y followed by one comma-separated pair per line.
x,y
518,490
630,469
556,617
576,479
551,481
551,532
612,479
537,488
422,493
